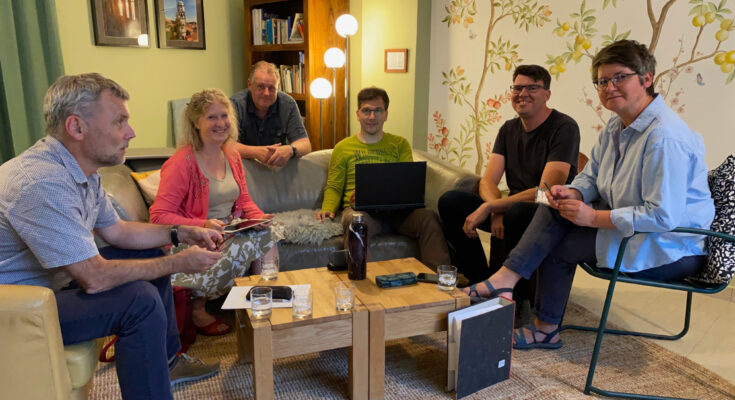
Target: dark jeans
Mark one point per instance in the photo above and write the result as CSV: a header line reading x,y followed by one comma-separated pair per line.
x,y
467,253
143,317
553,246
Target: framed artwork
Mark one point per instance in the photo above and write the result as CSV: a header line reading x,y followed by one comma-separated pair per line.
x,y
180,24
120,22
396,60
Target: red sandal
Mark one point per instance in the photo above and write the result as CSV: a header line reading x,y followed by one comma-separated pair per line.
x,y
216,328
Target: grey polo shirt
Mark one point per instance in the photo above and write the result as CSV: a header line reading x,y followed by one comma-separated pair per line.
x,y
282,123
48,209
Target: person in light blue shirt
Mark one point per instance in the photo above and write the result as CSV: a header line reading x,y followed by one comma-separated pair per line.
x,y
646,174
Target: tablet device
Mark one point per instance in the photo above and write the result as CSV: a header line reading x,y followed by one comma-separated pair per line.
x,y
238,225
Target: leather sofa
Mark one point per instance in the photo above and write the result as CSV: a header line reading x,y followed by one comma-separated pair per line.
x,y
298,185
35,363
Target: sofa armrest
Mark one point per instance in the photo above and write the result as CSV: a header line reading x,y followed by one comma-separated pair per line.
x,y
442,176
124,193
33,364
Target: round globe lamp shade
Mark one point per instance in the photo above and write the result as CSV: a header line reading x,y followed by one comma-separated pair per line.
x,y
320,88
346,25
334,58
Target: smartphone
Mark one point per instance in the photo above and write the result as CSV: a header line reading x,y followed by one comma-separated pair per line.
x,y
279,293
428,278
396,280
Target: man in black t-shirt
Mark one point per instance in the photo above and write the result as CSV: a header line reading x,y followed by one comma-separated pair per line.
x,y
541,145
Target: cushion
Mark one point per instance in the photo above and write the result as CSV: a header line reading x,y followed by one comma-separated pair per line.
x,y
148,183
721,253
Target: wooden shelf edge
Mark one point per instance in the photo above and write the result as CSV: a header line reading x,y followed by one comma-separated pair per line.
x,y
279,47
259,2
297,96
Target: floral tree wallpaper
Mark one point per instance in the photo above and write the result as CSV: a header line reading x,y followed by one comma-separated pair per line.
x,y
476,45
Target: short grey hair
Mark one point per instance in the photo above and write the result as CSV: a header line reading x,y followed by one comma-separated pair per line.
x,y
76,95
269,68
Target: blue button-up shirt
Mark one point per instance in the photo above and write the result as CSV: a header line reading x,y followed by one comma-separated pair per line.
x,y
653,177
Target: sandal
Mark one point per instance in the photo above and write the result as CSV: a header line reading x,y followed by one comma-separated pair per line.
x,y
216,328
493,292
522,344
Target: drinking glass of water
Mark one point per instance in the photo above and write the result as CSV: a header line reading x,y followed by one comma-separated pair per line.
x,y
261,300
344,296
302,303
269,271
447,277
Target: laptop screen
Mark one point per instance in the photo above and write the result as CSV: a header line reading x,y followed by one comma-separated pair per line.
x,y
390,186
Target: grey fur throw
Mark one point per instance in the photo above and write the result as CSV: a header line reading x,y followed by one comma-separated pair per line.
x,y
302,227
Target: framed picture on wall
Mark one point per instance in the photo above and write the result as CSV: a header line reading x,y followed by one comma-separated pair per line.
x,y
180,24
396,60
120,23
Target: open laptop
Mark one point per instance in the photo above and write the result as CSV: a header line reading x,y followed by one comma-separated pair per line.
x,y
390,186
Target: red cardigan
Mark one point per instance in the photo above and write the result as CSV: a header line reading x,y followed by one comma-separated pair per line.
x,y
183,195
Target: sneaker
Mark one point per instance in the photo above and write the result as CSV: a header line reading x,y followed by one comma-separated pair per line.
x,y
187,368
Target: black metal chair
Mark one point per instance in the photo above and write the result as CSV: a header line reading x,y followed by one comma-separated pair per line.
x,y
614,275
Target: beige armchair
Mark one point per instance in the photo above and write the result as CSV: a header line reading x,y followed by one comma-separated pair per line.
x,y
34,363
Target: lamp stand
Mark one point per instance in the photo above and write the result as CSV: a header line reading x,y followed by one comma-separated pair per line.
x,y
334,107
347,86
321,138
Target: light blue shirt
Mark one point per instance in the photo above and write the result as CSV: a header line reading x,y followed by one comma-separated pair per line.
x,y
659,182
48,209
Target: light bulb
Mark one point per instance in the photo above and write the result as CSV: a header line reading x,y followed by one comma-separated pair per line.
x,y
334,58
346,25
320,88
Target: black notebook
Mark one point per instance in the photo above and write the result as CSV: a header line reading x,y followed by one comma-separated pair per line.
x,y
479,340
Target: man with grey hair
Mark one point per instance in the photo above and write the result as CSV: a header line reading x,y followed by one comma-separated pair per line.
x,y
270,124
51,200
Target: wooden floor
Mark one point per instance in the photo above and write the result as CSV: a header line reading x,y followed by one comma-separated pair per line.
x,y
710,341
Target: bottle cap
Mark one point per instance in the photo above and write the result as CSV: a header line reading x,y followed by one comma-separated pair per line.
x,y
357,217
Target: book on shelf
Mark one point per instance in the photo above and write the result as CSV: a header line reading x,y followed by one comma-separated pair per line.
x,y
269,28
296,32
479,340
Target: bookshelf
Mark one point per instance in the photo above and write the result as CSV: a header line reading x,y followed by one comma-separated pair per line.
x,y
319,34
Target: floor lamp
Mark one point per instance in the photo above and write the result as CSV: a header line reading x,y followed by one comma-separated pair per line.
x,y
346,26
321,89
334,58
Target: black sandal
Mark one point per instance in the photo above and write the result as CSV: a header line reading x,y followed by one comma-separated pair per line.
x,y
522,344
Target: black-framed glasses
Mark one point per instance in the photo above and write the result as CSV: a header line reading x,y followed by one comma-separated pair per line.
x,y
367,111
602,83
529,88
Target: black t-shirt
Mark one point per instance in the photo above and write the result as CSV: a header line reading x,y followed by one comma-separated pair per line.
x,y
526,153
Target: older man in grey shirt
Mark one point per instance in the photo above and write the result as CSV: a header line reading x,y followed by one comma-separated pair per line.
x,y
51,200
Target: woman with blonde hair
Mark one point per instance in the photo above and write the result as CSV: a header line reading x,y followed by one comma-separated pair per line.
x,y
203,184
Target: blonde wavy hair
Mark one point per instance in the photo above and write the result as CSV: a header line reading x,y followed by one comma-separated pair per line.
x,y
196,107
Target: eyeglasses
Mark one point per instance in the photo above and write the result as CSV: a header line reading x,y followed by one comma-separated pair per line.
x,y
262,88
601,84
367,111
529,88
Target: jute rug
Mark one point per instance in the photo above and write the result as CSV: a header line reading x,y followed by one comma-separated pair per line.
x,y
416,369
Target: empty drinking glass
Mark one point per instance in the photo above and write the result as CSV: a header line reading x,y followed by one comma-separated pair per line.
x,y
269,271
261,300
303,299
344,296
447,277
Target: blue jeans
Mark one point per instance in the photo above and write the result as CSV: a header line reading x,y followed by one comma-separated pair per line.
x,y
143,317
554,246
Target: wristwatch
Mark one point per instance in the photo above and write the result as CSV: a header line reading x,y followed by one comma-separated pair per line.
x,y
295,153
174,232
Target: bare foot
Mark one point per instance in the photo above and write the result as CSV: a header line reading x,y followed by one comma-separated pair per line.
x,y
199,314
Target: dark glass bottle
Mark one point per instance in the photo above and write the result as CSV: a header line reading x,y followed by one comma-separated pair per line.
x,y
357,248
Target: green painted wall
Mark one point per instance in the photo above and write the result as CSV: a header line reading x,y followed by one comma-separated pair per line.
x,y
154,76
388,24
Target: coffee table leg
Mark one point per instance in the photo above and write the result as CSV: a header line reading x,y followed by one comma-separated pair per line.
x,y
244,333
377,351
359,352
262,361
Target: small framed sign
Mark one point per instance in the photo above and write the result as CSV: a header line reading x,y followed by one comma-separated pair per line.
x,y
396,60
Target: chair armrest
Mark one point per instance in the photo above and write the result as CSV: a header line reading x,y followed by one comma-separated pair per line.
x,y
32,361
697,231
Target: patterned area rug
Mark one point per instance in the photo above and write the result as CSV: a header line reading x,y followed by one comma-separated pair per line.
x,y
416,369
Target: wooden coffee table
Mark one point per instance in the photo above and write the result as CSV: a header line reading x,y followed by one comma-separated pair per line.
x,y
401,312
261,341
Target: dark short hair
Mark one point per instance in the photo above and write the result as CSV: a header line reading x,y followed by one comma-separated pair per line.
x,y
628,53
372,93
535,72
